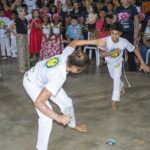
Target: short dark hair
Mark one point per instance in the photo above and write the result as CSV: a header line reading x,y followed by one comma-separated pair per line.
x,y
74,17
116,26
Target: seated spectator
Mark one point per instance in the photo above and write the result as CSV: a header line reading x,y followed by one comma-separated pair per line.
x,y
110,8
76,12
59,7
104,3
116,3
107,23
52,8
66,13
83,27
74,30
145,45
91,22
67,8
145,39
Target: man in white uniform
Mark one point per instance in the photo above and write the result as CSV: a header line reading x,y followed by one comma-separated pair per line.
x,y
113,53
45,81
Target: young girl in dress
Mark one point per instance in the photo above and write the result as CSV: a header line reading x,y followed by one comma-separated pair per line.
x,y
45,37
56,38
35,34
52,44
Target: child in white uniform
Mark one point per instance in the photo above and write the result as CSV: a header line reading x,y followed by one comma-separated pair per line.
x,y
4,38
12,28
115,46
45,81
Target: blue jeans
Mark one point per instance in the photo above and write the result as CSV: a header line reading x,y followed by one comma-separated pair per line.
x,y
143,50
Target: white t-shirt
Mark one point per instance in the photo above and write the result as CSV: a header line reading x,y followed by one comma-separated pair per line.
x,y
51,73
122,44
12,26
56,29
4,22
31,4
46,30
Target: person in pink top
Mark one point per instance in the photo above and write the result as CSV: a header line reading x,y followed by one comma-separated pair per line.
x,y
101,33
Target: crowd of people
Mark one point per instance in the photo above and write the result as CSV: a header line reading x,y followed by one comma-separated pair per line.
x,y
33,30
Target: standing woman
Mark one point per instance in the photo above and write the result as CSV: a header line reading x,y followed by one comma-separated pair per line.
x,y
35,34
22,41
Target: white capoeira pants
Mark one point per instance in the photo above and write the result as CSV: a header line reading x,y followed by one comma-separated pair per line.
x,y
115,71
13,47
45,123
5,47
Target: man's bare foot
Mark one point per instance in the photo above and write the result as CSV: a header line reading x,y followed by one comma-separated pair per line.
x,y
81,128
122,92
114,107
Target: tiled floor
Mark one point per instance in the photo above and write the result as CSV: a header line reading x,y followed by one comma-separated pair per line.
x,y
91,94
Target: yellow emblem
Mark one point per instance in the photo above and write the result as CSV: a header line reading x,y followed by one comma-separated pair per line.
x,y
114,55
13,27
2,23
52,62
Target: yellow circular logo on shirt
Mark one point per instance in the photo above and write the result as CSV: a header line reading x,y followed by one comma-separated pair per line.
x,y
2,23
52,62
114,55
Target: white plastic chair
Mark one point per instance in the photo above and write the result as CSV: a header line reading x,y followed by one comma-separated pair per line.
x,y
93,49
147,56
97,53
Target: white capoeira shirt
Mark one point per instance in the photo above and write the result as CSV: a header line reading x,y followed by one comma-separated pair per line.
x,y
122,44
4,23
51,73
12,26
